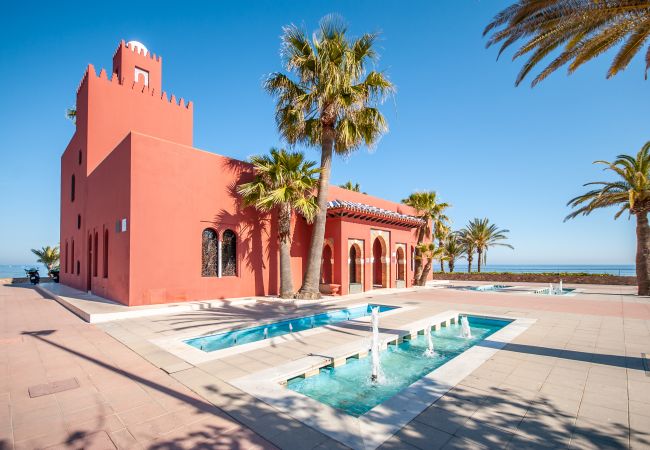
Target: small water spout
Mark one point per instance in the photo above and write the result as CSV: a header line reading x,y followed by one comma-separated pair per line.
x,y
234,339
430,352
550,289
313,322
348,315
561,288
290,328
374,347
466,330
266,333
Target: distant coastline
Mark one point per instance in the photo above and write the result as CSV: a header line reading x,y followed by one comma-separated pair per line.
x,y
625,270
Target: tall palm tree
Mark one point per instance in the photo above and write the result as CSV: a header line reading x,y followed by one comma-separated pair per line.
x,y
630,192
48,256
485,235
453,249
284,182
354,187
432,212
428,252
441,232
331,103
583,29
469,246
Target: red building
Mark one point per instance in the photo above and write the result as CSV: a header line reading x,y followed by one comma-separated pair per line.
x,y
147,218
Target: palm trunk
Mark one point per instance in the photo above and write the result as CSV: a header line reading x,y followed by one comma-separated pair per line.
x,y
451,264
479,253
418,257
642,253
284,234
469,263
442,262
310,283
427,268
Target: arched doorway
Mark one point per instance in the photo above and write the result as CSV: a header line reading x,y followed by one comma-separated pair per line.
x,y
326,266
379,266
400,268
355,258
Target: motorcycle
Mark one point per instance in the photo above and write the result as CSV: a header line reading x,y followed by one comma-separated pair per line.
x,y
33,275
54,274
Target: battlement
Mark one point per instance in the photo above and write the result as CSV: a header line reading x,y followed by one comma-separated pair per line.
x,y
137,50
136,87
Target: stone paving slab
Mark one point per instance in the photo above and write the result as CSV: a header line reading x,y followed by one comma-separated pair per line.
x,y
582,345
53,387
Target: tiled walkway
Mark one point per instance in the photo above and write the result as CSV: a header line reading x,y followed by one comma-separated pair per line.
x,y
576,378
122,400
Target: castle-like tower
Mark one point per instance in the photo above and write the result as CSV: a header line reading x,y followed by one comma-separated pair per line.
x,y
95,177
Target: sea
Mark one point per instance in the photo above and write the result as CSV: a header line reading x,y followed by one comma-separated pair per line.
x,y
626,270
18,270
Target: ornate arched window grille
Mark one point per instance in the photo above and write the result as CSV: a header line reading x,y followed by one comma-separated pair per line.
x,y
229,254
209,253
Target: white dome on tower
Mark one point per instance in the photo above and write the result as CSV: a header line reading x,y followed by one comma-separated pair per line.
x,y
135,44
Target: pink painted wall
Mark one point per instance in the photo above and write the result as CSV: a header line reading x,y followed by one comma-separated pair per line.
x,y
138,164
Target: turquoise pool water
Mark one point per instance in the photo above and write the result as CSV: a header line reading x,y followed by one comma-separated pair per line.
x,y
349,389
247,335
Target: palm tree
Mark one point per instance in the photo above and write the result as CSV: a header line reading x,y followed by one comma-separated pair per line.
x,y
71,114
484,235
428,251
284,182
469,246
583,29
432,213
454,249
351,187
631,193
48,256
441,232
331,103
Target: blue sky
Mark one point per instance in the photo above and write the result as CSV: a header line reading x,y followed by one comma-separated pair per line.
x,y
457,123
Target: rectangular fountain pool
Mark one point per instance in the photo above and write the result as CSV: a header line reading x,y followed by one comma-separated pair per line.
x,y
247,335
489,287
348,388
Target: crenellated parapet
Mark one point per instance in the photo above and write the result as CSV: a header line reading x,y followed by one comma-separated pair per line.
x,y
137,87
143,52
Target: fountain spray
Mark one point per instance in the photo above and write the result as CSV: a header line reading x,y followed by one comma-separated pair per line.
x,y
429,351
466,331
374,347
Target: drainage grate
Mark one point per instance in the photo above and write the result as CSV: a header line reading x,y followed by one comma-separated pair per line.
x,y
52,388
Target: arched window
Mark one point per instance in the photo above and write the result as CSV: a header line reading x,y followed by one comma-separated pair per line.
x,y
326,265
105,253
78,221
353,264
80,159
209,252
95,255
229,254
72,258
65,267
72,188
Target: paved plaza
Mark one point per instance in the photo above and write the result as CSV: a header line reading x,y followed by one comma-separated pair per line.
x,y
577,377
